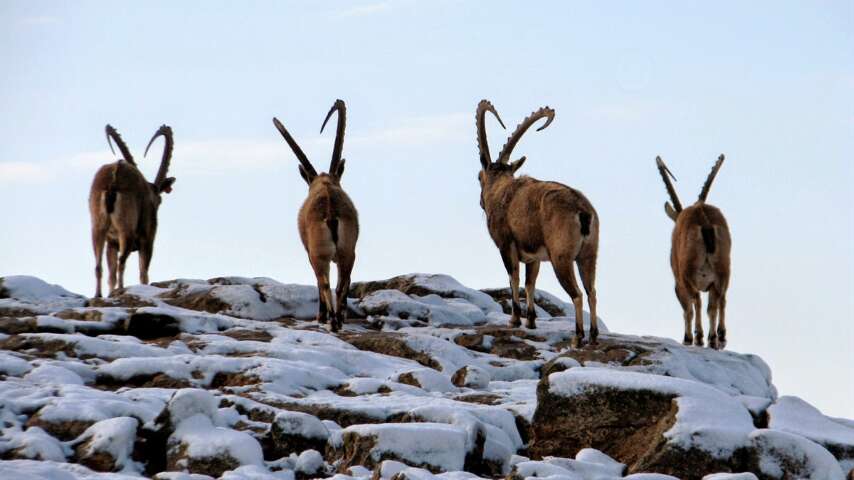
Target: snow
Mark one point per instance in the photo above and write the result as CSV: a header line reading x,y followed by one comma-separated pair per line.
x,y
707,418
33,443
263,357
476,377
301,424
794,415
52,374
204,440
309,462
731,476
436,444
779,449
36,295
115,436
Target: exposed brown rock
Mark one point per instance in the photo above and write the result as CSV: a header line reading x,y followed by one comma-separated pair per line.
x,y
244,334
627,425
149,326
178,460
155,380
389,344
64,430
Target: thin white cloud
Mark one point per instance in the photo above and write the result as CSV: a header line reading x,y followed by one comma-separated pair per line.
x,y
24,173
215,157
367,9
39,20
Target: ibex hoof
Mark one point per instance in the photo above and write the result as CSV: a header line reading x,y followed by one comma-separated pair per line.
x,y
322,320
577,341
713,342
531,324
687,340
698,340
515,322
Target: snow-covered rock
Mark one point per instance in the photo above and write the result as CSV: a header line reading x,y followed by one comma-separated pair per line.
x,y
232,378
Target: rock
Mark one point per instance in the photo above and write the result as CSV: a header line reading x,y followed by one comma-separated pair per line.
x,y
780,455
309,464
22,295
149,326
793,415
434,446
632,417
390,344
422,285
294,432
472,377
107,445
253,298
34,444
63,429
200,447
426,379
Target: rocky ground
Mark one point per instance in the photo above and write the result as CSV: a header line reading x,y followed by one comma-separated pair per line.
x,y
230,378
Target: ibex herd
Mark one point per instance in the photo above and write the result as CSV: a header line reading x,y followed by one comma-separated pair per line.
x,y
529,220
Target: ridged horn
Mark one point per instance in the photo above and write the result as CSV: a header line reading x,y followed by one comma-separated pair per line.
x,y
303,160
480,121
164,131
512,140
711,178
112,134
666,174
341,108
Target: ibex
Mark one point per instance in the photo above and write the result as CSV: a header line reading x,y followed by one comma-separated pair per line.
x,y
123,206
699,258
532,221
328,222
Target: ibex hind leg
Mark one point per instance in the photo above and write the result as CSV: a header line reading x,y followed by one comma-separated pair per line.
x,y
324,293
722,320
686,302
712,311
345,268
587,271
531,271
112,264
698,320
510,257
99,238
565,272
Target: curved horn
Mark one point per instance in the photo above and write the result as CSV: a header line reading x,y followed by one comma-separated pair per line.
x,y
480,120
512,140
711,178
112,134
664,171
303,160
339,107
166,132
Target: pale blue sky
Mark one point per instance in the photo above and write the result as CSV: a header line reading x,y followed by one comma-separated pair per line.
x,y
770,84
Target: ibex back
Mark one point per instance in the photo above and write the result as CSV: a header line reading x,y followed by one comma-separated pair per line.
x,y
123,206
532,221
328,222
699,258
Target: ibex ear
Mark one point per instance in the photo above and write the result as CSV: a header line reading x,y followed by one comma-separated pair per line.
x,y
668,209
340,170
166,186
305,175
517,164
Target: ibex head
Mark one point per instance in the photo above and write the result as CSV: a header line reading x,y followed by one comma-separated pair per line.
x,y
674,209
161,182
503,167
336,166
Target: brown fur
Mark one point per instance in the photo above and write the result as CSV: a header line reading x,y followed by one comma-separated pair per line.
x,y
700,260
532,221
123,206
328,224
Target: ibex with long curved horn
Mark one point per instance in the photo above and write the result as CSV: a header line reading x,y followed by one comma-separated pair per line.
x,y
123,206
328,222
699,258
532,221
